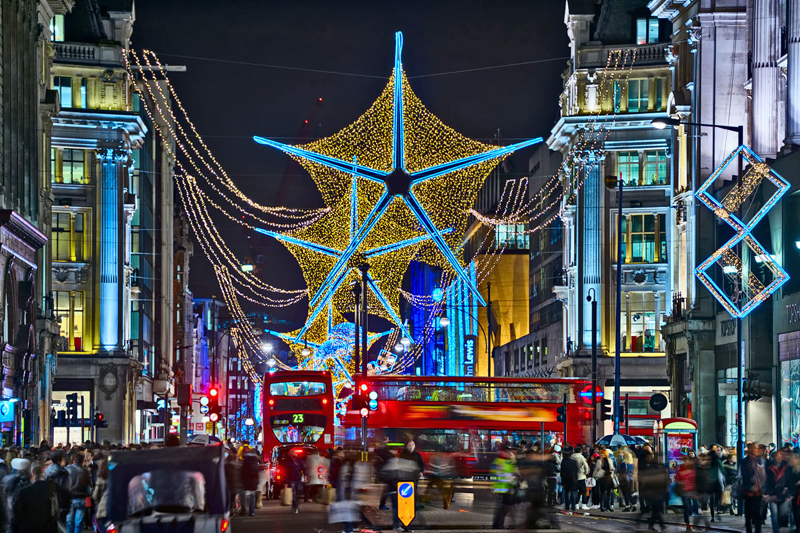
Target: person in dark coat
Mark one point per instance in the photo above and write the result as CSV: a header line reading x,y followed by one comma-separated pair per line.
x,y
296,470
569,480
80,487
251,468
753,476
653,488
38,504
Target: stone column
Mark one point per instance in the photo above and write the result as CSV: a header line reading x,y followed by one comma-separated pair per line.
x,y
591,235
626,341
657,329
110,263
793,74
766,76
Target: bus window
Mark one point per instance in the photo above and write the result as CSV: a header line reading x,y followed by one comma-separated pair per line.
x,y
297,388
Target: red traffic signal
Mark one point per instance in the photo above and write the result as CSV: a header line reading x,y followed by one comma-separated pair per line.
x,y
364,387
213,392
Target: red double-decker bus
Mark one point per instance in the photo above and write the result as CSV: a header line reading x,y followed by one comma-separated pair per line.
x,y
298,409
472,417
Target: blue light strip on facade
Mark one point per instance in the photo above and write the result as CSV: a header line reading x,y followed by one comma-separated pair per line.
x,y
398,124
331,162
299,242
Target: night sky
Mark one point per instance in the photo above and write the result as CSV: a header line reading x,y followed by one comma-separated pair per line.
x,y
231,102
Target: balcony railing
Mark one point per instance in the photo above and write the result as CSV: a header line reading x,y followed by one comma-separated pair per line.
x,y
88,54
646,54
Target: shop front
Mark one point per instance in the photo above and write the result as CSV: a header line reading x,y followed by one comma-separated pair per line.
x,y
788,332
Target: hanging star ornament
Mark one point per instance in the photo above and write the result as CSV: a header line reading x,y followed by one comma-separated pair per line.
x,y
399,184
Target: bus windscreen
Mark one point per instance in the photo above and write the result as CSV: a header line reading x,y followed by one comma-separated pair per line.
x,y
296,428
297,388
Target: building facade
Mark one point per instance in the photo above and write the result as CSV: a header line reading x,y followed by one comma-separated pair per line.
x,y
618,81
112,218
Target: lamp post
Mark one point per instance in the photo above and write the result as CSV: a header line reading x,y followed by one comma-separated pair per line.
x,y
613,182
592,297
662,123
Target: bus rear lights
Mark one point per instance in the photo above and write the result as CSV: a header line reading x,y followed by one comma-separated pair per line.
x,y
324,401
272,402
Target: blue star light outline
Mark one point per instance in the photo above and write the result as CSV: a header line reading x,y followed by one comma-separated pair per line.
x,y
396,184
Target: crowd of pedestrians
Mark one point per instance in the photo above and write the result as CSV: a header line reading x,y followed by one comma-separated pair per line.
x,y
708,483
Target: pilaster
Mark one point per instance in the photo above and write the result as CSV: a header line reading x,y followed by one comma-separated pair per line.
x,y
766,76
793,74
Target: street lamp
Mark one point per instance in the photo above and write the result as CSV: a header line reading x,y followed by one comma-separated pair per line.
x,y
306,351
444,321
271,362
267,347
661,123
406,342
398,347
248,422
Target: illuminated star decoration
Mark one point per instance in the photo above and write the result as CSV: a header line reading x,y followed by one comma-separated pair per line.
x,y
400,184
753,290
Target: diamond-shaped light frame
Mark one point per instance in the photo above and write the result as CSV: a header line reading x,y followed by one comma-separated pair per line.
x,y
726,211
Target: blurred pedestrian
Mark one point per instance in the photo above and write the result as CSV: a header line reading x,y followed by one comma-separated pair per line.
x,y
296,472
251,470
13,483
80,488
776,491
705,481
100,493
315,475
505,486
569,480
382,457
625,464
603,473
233,480
752,474
552,469
653,488
440,476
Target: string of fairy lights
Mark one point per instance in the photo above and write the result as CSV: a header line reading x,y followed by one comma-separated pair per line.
x,y
320,238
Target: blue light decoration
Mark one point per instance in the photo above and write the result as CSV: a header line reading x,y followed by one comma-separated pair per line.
x,y
399,188
754,292
258,411
437,294
462,310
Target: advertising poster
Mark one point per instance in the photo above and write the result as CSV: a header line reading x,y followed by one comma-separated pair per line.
x,y
677,445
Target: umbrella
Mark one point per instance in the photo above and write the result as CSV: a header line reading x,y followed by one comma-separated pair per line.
x,y
203,439
613,441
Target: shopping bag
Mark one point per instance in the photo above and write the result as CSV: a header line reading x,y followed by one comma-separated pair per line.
x,y
344,511
286,496
591,482
726,497
328,495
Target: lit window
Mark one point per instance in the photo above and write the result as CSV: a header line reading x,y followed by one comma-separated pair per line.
x,y
63,85
628,168
83,93
642,335
67,239
57,28
655,168
73,166
637,95
659,90
644,240
71,319
647,30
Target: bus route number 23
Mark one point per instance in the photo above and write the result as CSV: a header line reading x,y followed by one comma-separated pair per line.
x,y
298,418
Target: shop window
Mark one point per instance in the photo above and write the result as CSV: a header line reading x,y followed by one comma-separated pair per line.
x,y
83,94
659,90
644,238
63,86
647,30
638,91
57,28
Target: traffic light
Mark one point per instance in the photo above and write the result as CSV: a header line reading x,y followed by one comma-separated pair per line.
x,y
373,400
72,407
562,413
605,410
214,409
100,420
